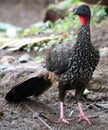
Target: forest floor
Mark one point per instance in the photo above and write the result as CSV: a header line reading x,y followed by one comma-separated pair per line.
x,y
21,116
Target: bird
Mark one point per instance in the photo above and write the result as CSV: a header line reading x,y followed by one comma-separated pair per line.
x,y
71,63
74,63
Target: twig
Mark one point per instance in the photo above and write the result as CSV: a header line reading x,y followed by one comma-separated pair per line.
x,y
39,118
71,113
44,123
29,108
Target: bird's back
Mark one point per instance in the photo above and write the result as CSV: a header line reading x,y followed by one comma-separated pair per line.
x,y
58,59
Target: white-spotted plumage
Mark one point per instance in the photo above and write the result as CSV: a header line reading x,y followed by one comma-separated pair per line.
x,y
74,64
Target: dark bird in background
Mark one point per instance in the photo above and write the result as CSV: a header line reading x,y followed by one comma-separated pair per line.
x,y
72,63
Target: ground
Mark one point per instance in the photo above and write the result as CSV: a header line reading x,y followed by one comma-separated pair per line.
x,y
23,116
22,13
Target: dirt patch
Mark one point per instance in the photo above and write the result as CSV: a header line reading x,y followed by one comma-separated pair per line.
x,y
22,13
21,116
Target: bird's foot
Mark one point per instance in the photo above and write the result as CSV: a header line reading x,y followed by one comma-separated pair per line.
x,y
64,120
83,116
86,118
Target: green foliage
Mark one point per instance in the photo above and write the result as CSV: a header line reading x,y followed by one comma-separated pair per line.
x,y
38,58
40,46
32,29
98,14
69,23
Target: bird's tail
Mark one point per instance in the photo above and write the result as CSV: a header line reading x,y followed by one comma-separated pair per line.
x,y
36,84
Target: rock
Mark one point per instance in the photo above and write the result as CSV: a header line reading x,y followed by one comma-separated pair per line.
x,y
103,51
7,59
24,58
102,105
6,62
58,11
35,115
52,16
6,66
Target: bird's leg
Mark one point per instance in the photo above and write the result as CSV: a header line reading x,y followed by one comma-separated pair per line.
x,y
62,92
62,117
52,77
82,115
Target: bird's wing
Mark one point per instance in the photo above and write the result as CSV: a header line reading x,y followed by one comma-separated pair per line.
x,y
59,58
35,84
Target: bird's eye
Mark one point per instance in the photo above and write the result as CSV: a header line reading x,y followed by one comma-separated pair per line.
x,y
83,10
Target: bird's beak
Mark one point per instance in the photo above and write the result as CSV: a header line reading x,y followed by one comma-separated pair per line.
x,y
75,12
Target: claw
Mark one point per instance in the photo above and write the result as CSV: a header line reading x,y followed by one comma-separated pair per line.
x,y
64,120
86,118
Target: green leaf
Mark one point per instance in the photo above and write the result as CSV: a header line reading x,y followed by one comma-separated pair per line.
x,y
38,58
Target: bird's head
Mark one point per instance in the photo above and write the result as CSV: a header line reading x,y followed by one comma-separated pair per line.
x,y
84,13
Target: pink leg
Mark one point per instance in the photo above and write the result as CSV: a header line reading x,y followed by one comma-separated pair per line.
x,y
82,115
62,117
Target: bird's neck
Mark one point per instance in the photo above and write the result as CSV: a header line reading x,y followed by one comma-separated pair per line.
x,y
84,36
84,19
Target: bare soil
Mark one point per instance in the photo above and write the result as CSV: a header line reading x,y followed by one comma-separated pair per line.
x,y
20,116
22,13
